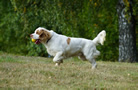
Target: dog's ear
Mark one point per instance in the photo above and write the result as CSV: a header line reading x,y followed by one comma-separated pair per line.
x,y
47,34
44,36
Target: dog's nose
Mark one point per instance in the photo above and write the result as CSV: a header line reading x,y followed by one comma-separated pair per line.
x,y
31,35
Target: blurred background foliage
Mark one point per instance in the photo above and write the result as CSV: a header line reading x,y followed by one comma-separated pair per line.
x,y
75,18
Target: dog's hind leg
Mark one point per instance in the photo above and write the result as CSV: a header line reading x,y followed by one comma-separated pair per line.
x,y
93,62
82,57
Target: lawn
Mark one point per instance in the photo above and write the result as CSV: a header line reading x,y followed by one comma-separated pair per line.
x,y
24,72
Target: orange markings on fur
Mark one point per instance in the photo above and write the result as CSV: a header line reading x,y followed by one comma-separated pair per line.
x,y
43,35
68,41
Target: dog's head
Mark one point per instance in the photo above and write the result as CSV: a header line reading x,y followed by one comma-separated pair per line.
x,y
41,35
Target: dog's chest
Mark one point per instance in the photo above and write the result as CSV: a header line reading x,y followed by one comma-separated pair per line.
x,y
51,51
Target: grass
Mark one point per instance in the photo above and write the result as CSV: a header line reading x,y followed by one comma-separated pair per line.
x,y
22,72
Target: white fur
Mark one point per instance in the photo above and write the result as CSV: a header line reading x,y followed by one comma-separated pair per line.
x,y
85,49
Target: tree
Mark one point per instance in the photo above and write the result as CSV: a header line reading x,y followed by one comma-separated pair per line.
x,y
76,18
127,34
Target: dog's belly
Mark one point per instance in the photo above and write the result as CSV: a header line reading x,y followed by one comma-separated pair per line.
x,y
73,52
67,55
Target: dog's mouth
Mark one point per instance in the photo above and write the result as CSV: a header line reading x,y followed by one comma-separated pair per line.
x,y
37,41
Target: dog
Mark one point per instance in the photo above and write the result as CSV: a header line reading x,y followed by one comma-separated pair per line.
x,y
62,47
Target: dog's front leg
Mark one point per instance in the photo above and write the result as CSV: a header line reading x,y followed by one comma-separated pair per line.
x,y
58,63
58,58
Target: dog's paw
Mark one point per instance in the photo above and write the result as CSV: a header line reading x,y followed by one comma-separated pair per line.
x,y
57,64
94,66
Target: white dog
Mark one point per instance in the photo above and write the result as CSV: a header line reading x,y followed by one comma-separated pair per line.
x,y
62,47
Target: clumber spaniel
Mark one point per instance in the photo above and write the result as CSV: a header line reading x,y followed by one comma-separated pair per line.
x,y
61,46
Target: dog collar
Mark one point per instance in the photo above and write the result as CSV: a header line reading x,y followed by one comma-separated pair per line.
x,y
48,40
51,36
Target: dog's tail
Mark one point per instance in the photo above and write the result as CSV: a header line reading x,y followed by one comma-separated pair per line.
x,y
100,38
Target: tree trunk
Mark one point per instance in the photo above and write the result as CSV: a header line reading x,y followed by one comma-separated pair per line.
x,y
127,34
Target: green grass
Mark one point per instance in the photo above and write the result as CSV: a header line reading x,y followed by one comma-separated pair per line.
x,y
22,72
